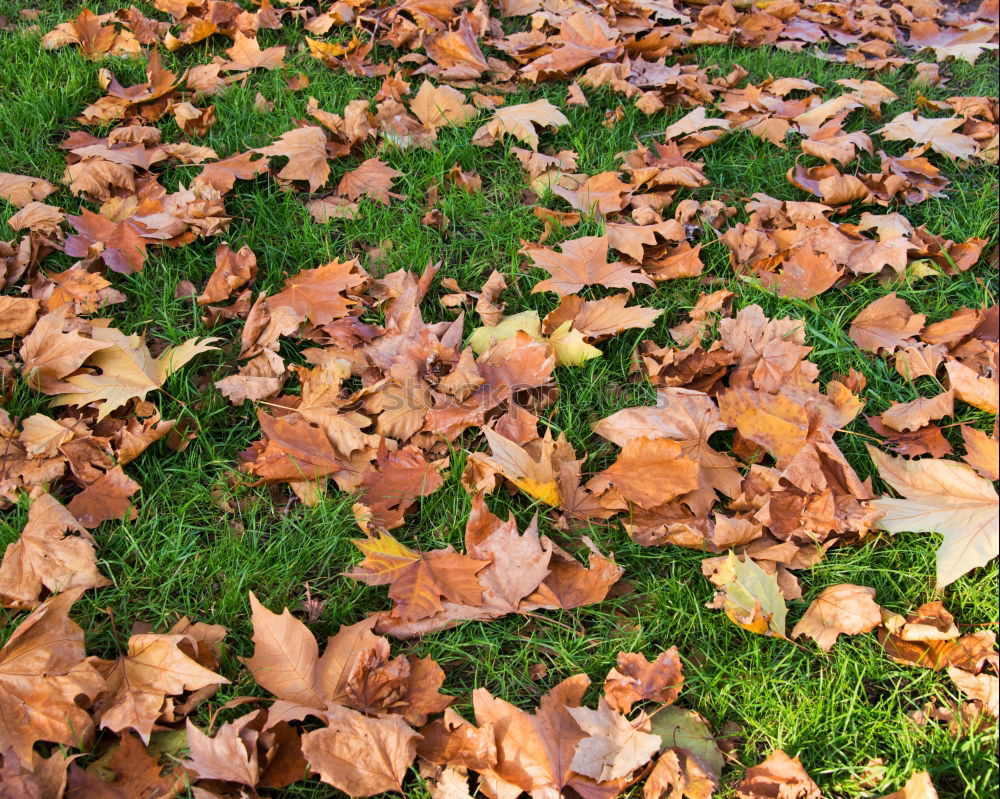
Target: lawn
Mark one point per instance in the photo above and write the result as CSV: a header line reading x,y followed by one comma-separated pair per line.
x,y
205,535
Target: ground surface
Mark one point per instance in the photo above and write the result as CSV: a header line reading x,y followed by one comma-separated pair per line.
x,y
180,556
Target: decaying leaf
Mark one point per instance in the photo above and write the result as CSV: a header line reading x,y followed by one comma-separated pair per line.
x,y
750,596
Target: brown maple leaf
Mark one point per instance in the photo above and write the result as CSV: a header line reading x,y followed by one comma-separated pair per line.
x,y
805,273
17,315
104,499
321,294
93,38
535,750
438,106
599,319
130,770
689,418
246,54
373,178
155,667
53,552
418,580
652,472
20,190
840,609
50,353
361,755
519,121
120,244
43,670
233,270
583,262
887,324
305,149
778,775
635,679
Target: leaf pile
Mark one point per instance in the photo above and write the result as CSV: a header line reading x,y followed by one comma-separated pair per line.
x,y
355,391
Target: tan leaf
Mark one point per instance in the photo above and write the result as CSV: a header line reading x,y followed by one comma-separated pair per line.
x,y
246,54
43,671
438,106
154,668
49,354
418,581
233,270
128,370
805,273
944,497
47,555
689,418
599,319
360,755
17,315
982,452
973,388
519,121
305,149
939,134
844,608
583,262
886,325
19,190
321,294
652,472
778,776
373,179
105,499
982,687
38,216
918,786
613,748
635,679
229,755
908,416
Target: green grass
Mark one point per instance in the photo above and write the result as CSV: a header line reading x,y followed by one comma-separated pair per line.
x,y
184,555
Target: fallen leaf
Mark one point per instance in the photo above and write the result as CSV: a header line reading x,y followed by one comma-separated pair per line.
x,y
635,679
652,472
938,134
233,270
613,748
438,106
42,672
360,755
53,552
982,453
840,609
944,497
373,179
886,325
909,416
154,668
128,371
778,776
305,149
519,121
246,54
750,596
583,262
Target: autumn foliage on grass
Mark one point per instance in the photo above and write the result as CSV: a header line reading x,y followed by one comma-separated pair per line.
x,y
377,399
